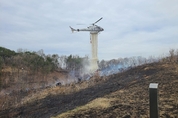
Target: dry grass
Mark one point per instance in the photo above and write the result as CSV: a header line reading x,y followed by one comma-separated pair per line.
x,y
99,103
59,90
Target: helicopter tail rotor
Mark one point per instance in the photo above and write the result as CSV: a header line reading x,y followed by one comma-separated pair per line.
x,y
72,29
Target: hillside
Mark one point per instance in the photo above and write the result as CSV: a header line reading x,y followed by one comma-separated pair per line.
x,y
125,95
122,95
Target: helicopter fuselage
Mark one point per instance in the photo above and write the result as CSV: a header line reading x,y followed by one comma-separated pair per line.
x,y
91,29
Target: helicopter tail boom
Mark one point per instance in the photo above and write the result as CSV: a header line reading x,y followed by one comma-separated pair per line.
x,y
72,29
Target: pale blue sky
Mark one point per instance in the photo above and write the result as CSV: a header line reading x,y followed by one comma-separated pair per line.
x,y
131,28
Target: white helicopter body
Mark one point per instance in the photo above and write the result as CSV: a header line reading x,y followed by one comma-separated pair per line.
x,y
92,29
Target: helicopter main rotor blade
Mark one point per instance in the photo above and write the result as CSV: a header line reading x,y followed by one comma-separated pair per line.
x,y
80,24
98,20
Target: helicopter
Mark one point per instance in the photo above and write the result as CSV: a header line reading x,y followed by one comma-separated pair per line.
x,y
92,29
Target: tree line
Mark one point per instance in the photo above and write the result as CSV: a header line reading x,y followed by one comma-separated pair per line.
x,y
36,64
